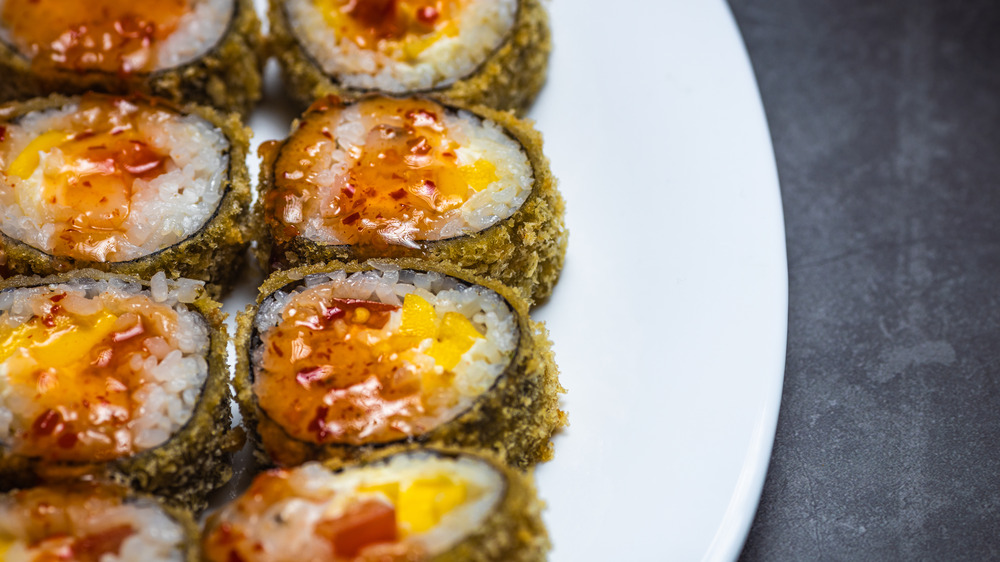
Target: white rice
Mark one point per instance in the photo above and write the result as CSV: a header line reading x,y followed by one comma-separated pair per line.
x,y
157,536
286,528
169,379
476,138
482,27
478,368
164,210
197,32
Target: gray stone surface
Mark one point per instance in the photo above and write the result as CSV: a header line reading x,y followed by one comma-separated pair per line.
x,y
885,117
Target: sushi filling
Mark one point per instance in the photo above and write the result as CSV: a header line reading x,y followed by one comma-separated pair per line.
x,y
400,45
376,357
85,522
395,172
108,179
110,35
410,508
92,370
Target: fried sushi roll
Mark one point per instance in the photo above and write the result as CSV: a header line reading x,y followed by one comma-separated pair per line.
x,y
489,52
338,362
90,521
113,377
388,177
127,185
418,505
203,51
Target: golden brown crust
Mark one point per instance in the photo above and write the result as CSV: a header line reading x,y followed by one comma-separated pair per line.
x,y
508,80
213,254
192,463
515,419
228,76
525,251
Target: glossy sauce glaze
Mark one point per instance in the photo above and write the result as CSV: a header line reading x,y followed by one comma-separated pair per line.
x,y
55,522
403,183
369,515
403,27
336,371
80,374
89,192
83,35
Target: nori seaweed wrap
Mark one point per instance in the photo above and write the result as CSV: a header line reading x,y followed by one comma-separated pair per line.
x,y
129,185
341,362
474,52
90,520
113,377
409,177
416,504
202,51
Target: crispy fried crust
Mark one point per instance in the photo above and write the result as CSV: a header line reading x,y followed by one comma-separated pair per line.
x,y
526,251
192,463
215,253
228,76
509,80
515,419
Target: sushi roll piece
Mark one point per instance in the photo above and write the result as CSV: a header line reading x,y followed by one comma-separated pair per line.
x,y
341,361
489,52
118,378
410,177
204,51
127,185
417,505
90,521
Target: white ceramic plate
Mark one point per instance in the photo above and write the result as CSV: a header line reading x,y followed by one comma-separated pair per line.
x,y
669,320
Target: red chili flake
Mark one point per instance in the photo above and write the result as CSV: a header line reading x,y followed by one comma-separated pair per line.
x,y
84,135
67,440
318,423
352,218
3,133
47,422
326,133
398,194
332,313
306,377
57,298
427,14
348,190
234,557
419,146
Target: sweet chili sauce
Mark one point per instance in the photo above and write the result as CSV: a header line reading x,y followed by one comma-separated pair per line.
x,y
370,22
325,379
85,35
89,197
404,182
54,518
77,372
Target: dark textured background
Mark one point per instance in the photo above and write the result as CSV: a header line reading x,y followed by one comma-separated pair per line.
x,y
885,117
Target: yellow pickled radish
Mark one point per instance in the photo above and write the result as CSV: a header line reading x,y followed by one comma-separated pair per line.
x,y
455,336
422,505
61,344
479,175
419,318
390,490
26,162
